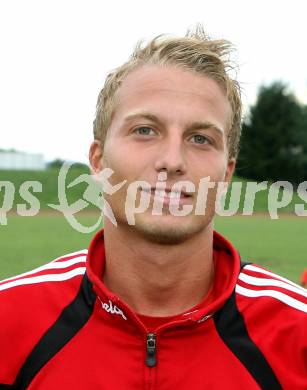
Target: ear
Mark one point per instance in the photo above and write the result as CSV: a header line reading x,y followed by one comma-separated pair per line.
x,y
231,164
95,157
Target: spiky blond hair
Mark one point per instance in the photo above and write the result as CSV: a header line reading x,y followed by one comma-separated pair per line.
x,y
196,52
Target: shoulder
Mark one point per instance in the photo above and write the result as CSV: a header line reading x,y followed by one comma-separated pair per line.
x,y
59,269
37,287
31,302
261,286
274,310
45,278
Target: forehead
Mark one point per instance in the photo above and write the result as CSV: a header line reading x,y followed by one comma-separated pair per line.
x,y
157,87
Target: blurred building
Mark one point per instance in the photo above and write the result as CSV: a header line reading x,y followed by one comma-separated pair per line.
x,y
21,161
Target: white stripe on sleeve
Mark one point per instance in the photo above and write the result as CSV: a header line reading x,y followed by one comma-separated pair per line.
x,y
271,282
43,278
264,271
52,265
273,294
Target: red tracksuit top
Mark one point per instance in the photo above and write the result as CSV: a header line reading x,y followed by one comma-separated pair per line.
x,y
62,329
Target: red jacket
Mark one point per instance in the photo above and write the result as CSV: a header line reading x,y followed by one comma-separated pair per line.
x,y
62,329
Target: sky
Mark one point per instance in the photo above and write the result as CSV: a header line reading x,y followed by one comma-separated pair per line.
x,y
56,54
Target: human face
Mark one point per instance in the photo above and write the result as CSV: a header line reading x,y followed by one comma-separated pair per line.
x,y
171,120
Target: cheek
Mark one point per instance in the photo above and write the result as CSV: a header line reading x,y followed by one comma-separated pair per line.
x,y
113,159
123,169
214,166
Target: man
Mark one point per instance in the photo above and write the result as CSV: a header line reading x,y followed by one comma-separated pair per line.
x,y
161,302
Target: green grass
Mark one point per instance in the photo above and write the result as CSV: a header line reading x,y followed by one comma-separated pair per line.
x,y
262,198
49,180
278,244
27,242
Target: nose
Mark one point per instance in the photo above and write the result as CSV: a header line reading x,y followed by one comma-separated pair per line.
x,y
171,156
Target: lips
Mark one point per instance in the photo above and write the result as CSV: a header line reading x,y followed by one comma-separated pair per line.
x,y
167,192
172,194
168,196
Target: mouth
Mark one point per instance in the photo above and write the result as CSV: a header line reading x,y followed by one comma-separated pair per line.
x,y
168,196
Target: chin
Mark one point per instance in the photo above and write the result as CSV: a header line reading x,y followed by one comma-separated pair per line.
x,y
170,232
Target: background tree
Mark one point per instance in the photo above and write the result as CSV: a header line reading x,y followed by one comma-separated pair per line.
x,y
274,137
57,163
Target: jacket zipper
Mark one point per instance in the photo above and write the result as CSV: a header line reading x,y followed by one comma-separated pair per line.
x,y
151,350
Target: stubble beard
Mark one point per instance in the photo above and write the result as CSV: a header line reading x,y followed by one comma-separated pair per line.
x,y
168,235
157,229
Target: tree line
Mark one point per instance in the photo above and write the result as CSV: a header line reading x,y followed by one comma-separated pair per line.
x,y
274,137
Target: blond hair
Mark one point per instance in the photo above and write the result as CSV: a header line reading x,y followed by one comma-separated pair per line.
x,y
195,52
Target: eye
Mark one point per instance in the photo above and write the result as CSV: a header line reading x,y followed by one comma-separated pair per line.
x,y
144,130
200,139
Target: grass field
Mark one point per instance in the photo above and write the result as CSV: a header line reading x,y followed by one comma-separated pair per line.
x,y
281,245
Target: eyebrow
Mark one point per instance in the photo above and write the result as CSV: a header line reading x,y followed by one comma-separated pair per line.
x,y
205,125
199,125
143,115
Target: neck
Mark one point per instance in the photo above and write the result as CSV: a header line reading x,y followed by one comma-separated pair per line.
x,y
154,279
